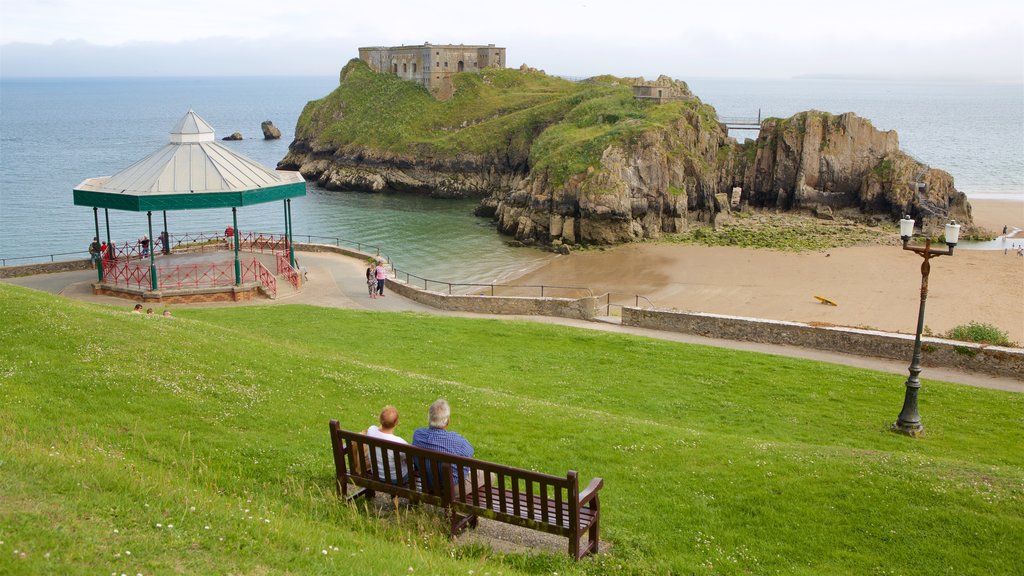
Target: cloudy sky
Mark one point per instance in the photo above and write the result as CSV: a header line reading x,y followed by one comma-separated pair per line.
x,y
920,39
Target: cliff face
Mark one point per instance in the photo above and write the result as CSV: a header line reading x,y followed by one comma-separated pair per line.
x,y
639,189
825,164
373,170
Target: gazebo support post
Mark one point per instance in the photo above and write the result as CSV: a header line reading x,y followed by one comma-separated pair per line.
x,y
106,218
99,260
238,265
284,205
291,237
166,237
152,263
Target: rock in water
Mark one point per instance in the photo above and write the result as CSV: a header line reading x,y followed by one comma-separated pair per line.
x,y
234,136
270,132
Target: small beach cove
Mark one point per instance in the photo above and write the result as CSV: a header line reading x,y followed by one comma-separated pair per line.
x,y
874,286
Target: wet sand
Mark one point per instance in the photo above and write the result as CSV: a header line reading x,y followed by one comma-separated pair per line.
x,y
994,214
874,286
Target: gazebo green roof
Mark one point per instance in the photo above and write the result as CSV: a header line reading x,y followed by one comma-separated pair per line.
x,y
193,171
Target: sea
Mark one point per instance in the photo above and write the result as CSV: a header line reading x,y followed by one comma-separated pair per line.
x,y
55,133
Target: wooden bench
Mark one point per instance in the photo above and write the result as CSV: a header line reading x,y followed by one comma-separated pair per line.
x,y
468,488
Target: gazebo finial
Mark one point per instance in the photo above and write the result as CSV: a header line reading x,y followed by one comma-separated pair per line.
x,y
191,129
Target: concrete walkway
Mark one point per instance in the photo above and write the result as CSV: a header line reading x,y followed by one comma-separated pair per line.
x,y
338,281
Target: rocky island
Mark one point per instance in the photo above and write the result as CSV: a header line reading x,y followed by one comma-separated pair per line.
x,y
603,161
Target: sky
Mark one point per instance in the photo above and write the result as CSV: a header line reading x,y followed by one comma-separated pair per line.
x,y
980,40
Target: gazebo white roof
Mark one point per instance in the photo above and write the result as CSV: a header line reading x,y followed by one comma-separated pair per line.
x,y
192,171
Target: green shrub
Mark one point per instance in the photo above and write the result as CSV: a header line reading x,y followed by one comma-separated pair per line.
x,y
979,332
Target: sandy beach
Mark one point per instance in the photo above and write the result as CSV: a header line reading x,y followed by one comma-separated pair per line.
x,y
874,286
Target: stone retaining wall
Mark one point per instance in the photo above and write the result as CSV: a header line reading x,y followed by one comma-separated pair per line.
x,y
580,309
45,268
994,360
246,291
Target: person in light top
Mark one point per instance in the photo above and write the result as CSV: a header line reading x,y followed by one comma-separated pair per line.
x,y
386,431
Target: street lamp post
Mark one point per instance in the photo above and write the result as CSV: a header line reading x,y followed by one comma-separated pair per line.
x,y
909,421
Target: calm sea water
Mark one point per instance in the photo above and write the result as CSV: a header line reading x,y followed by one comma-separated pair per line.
x,y
54,133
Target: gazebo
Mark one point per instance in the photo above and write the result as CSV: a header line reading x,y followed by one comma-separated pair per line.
x,y
192,172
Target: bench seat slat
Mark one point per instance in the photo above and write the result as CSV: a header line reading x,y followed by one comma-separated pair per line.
x,y
535,509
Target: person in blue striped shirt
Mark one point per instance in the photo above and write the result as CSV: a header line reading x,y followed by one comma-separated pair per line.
x,y
438,437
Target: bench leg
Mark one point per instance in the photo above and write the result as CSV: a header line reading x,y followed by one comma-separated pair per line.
x,y
593,536
458,522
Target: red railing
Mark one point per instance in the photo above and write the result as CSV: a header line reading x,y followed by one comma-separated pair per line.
x,y
268,280
261,242
283,267
128,268
207,274
127,273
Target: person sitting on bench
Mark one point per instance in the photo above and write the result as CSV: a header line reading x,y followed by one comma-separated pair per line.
x,y
386,431
438,437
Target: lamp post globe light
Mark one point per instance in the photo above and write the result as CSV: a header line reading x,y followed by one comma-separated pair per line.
x,y
909,421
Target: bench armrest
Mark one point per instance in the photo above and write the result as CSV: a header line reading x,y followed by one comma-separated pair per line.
x,y
590,492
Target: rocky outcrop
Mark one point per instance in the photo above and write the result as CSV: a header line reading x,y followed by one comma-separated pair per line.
x,y
233,136
841,164
270,132
639,190
374,171
602,161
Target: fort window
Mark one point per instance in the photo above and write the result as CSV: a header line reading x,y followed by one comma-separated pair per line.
x,y
405,68
445,64
413,67
462,66
396,67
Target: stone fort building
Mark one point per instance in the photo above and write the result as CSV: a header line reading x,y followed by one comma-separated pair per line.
x,y
432,65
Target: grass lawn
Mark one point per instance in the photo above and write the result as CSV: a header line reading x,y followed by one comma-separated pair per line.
x,y
198,444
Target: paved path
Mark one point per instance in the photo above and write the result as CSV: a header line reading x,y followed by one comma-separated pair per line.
x,y
339,281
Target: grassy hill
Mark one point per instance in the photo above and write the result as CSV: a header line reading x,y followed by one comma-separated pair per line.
x,y
508,117
198,444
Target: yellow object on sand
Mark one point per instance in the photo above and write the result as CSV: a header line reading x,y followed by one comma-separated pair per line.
x,y
824,300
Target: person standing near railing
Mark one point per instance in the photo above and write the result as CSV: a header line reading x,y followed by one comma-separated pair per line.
x,y
144,243
95,250
381,273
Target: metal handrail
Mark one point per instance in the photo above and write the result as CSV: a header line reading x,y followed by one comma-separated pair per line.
x,y
83,253
490,287
636,301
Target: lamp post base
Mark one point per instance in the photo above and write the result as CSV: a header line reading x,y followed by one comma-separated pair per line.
x,y
915,430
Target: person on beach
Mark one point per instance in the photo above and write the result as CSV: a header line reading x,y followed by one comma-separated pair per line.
x,y
144,243
371,281
137,309
437,437
149,311
399,472
381,274
95,250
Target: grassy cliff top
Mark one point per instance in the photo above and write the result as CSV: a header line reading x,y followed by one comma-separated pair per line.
x,y
198,444
509,115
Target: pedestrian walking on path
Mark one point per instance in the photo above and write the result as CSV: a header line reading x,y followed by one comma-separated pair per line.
x,y
381,273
